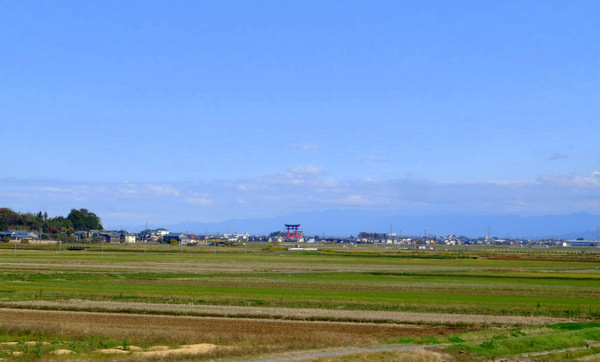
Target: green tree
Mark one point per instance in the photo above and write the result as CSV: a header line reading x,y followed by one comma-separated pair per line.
x,y
82,219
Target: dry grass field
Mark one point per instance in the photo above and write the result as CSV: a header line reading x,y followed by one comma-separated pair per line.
x,y
259,302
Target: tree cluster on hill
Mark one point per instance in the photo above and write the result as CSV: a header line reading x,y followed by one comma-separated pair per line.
x,y
80,219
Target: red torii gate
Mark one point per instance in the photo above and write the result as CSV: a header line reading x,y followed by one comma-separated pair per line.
x,y
293,228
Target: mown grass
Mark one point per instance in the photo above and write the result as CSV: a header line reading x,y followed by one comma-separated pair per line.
x,y
544,283
507,345
329,280
294,298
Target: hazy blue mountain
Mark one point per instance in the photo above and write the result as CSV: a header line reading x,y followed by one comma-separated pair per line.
x,y
351,222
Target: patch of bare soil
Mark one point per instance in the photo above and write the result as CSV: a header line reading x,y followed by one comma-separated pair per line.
x,y
112,351
200,329
192,349
162,351
593,357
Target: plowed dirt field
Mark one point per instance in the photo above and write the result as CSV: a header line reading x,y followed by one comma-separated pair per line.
x,y
198,328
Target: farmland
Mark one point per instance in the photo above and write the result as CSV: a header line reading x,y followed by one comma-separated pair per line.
x,y
256,301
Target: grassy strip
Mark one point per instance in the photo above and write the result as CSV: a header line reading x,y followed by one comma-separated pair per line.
x,y
296,299
574,326
571,355
505,346
190,288
28,345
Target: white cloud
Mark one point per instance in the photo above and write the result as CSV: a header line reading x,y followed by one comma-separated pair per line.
x,y
375,159
356,200
54,189
127,191
592,180
163,190
306,170
304,188
202,201
305,147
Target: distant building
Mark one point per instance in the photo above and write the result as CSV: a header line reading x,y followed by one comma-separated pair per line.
x,y
110,236
153,235
20,234
128,238
180,238
581,243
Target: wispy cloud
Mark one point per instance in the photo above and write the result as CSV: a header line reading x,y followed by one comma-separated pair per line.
x,y
572,182
302,188
202,201
375,159
306,170
305,147
557,156
163,190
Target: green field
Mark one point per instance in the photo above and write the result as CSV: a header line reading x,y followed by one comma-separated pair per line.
x,y
498,282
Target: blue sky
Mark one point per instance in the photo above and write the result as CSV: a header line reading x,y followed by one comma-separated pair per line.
x,y
207,110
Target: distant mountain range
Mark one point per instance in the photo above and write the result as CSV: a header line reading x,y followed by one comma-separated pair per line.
x,y
351,222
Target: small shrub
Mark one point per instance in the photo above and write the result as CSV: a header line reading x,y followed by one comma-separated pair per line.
x,y
517,332
431,340
487,345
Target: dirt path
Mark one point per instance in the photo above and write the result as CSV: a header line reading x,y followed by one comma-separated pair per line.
x,y
344,352
287,313
563,350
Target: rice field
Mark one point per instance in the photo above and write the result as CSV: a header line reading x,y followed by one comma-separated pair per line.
x,y
395,293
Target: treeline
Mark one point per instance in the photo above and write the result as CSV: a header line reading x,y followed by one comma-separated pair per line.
x,y
80,219
372,236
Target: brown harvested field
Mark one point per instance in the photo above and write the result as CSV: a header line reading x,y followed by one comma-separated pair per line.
x,y
201,329
289,313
